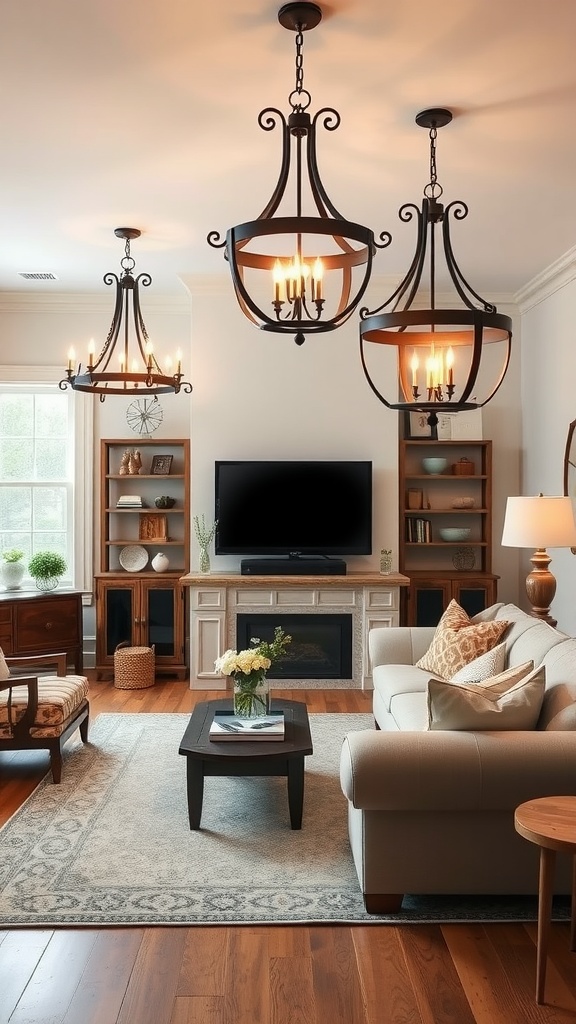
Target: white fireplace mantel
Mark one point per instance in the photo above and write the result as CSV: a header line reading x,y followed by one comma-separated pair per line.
x,y
373,599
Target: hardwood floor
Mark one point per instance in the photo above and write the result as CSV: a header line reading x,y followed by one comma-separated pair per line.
x,y
450,974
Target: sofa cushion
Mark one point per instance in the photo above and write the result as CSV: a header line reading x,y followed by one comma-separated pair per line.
x,y
408,712
390,680
511,700
487,665
4,670
559,705
458,641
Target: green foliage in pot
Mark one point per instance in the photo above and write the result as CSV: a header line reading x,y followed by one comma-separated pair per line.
x,y
45,565
12,555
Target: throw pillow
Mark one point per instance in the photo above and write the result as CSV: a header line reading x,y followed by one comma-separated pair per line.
x,y
458,641
502,704
4,670
487,665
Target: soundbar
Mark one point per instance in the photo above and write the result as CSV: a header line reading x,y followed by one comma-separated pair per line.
x,y
301,566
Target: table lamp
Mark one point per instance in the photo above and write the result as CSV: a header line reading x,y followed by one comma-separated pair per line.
x,y
540,522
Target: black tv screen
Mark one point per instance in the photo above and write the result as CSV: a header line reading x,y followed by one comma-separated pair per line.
x,y
293,508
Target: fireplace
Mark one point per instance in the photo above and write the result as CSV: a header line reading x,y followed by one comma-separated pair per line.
x,y
321,645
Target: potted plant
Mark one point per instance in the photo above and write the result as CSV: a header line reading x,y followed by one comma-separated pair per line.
x,y
12,568
46,568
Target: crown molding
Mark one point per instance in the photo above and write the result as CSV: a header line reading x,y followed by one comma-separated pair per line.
x,y
551,280
68,302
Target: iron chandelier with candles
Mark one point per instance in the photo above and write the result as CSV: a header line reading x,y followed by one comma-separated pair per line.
x,y
137,371
305,273
439,350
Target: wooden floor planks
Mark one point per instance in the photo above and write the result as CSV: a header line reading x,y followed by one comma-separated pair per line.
x,y
365,974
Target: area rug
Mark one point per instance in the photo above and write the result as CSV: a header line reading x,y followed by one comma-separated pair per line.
x,y
111,845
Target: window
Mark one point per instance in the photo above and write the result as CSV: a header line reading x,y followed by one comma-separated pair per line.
x,y
45,493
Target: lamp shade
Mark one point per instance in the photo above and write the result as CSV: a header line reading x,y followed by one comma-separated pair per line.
x,y
539,522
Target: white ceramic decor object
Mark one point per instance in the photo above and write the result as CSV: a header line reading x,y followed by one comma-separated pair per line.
x,y
160,562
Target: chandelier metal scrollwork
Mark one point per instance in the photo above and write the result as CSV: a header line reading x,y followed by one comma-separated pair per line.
x,y
316,265
439,351
138,371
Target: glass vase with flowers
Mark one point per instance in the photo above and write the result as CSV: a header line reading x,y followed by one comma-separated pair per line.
x,y
248,670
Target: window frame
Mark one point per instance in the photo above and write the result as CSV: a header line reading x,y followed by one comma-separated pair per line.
x,y
82,431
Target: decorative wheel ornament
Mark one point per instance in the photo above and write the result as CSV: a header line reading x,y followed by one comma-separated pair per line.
x,y
144,416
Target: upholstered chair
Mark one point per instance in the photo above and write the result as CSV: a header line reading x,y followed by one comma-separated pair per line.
x,y
41,711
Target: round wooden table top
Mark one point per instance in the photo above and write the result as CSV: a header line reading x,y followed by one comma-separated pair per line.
x,y
549,821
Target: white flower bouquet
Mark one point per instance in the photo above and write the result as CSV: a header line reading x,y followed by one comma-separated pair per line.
x,y
248,670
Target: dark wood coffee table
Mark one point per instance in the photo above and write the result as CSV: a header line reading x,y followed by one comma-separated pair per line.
x,y
285,757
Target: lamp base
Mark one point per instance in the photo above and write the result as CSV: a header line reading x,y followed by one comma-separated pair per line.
x,y
541,587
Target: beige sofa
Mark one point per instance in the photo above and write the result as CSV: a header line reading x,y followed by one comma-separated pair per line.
x,y
433,811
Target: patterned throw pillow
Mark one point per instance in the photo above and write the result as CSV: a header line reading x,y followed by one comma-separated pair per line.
x,y
484,667
458,641
511,700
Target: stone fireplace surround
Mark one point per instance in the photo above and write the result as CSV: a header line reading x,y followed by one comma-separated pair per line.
x,y
372,599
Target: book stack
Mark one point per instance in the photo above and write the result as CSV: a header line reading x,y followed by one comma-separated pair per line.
x,y
227,726
129,501
418,531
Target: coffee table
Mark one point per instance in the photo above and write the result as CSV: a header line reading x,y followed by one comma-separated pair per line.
x,y
284,758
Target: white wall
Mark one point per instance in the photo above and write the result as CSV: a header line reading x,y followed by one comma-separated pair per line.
x,y
258,395
549,406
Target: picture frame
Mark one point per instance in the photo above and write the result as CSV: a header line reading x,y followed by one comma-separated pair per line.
x,y
161,465
417,427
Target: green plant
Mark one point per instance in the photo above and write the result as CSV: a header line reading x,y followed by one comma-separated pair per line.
x,y
45,565
12,555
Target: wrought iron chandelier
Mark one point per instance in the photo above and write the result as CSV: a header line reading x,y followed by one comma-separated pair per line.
x,y
439,350
137,370
315,267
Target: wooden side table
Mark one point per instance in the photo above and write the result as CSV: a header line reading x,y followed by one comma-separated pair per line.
x,y
550,823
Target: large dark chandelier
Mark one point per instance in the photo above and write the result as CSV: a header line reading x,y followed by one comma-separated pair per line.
x,y
136,370
440,351
315,267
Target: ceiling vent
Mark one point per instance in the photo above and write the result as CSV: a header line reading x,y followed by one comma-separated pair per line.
x,y
38,276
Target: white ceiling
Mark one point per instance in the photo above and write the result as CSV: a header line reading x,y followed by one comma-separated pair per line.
x,y
144,113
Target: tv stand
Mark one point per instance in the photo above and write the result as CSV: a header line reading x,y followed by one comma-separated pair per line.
x,y
293,565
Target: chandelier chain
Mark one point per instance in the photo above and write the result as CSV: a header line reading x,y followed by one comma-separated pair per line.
x,y
433,190
299,99
127,262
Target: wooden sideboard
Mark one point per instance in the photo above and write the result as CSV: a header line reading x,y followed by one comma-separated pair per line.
x,y
371,598
34,622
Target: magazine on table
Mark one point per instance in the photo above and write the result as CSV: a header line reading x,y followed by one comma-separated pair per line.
x,y
228,726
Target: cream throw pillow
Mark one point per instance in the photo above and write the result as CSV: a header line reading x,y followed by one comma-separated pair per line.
x,y
458,641
511,700
4,670
487,665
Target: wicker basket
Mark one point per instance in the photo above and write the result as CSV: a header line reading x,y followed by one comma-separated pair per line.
x,y
133,667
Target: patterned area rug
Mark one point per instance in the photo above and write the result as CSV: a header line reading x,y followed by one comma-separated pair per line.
x,y
111,845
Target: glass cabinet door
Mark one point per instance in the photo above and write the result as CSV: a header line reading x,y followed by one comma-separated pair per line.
x,y
119,615
160,617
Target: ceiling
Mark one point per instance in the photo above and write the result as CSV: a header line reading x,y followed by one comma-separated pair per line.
x,y
144,114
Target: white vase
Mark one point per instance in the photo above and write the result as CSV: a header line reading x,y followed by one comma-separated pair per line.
x,y
12,574
160,562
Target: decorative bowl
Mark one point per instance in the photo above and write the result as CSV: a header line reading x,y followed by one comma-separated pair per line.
x,y
463,503
454,534
164,501
434,465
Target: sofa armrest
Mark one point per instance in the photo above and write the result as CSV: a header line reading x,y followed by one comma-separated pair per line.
x,y
447,771
399,645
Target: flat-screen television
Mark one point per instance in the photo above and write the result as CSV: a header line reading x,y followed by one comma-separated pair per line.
x,y
293,508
